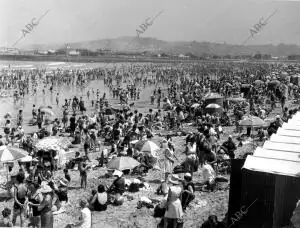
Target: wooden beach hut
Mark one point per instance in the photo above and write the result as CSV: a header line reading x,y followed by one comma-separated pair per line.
x,y
271,180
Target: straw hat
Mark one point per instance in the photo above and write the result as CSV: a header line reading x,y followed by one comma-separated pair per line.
x,y
174,179
45,188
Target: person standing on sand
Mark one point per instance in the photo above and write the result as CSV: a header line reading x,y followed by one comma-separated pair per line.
x,y
45,207
168,158
83,174
20,118
87,143
174,213
39,119
20,193
57,99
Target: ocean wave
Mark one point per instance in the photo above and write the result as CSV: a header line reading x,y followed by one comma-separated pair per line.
x,y
54,64
21,66
78,65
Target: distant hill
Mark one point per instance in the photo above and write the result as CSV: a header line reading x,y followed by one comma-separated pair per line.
x,y
154,45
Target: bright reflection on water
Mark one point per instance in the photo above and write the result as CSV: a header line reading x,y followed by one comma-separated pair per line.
x,y
66,92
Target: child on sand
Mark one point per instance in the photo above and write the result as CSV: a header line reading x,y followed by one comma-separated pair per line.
x,y
6,221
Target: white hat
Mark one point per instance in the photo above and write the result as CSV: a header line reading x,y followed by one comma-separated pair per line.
x,y
117,173
174,179
45,188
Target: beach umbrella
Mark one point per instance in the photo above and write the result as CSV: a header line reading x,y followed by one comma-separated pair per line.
x,y
258,82
53,143
122,163
252,121
213,106
196,105
147,146
8,154
28,158
48,111
245,85
274,83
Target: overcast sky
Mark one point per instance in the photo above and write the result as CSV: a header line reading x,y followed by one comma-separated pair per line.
x,y
219,21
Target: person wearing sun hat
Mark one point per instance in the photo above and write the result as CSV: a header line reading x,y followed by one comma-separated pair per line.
x,y
45,207
174,212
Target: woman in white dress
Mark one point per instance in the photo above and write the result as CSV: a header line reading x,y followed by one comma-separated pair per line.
x,y
174,212
168,158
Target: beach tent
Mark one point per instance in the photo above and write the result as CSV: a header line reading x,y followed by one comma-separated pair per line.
x,y
271,178
213,98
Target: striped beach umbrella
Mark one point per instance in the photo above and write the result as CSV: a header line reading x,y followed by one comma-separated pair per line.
x,y
122,163
8,154
53,143
252,121
147,146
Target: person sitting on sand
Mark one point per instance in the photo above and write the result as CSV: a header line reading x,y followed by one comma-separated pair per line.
x,y
67,175
6,222
62,190
118,187
212,222
209,175
85,220
188,191
230,146
99,200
